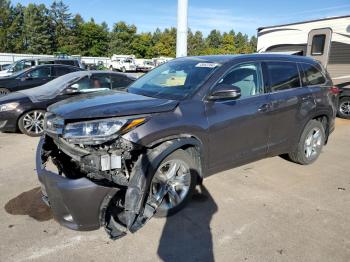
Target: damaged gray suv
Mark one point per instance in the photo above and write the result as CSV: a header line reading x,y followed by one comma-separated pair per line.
x,y
122,157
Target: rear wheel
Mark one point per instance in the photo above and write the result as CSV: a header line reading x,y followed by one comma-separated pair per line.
x,y
32,123
310,144
344,107
4,91
174,182
123,70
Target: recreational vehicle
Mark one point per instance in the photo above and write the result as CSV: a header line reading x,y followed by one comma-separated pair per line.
x,y
326,40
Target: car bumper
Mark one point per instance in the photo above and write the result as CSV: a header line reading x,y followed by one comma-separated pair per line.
x,y
8,122
76,203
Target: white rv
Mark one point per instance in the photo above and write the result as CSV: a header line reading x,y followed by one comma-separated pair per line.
x,y
326,40
123,63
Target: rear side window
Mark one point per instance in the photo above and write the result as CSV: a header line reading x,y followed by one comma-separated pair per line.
x,y
318,42
120,82
283,75
312,76
67,62
60,70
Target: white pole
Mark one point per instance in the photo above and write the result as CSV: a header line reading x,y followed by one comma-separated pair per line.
x,y
182,28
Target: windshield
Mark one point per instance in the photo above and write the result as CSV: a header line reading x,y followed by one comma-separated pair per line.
x,y
174,80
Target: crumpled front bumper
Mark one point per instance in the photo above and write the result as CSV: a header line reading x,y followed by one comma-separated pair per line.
x,y
76,203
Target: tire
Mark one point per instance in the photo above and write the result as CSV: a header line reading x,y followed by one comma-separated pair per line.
x,y
111,68
123,70
344,108
186,173
310,144
31,123
3,91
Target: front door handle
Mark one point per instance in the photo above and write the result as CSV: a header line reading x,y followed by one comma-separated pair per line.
x,y
264,108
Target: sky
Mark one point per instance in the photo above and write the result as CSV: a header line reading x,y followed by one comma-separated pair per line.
x,y
204,15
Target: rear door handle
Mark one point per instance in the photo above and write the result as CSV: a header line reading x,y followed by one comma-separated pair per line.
x,y
264,108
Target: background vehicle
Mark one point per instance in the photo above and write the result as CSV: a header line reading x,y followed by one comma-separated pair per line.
x,y
326,40
142,152
26,63
24,110
123,63
33,76
344,103
144,65
161,60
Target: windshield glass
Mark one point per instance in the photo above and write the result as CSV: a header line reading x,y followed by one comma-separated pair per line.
x,y
174,80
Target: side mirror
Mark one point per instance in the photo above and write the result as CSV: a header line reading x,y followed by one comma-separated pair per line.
x,y
73,89
225,92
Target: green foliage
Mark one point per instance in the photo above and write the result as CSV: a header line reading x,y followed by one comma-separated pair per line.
x,y
45,30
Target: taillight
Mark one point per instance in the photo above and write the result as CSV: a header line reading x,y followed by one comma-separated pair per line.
x,y
334,90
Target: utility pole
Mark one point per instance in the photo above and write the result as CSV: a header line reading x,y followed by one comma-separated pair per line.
x,y
182,28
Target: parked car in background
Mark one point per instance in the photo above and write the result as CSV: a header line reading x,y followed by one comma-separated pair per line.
x,y
33,76
344,103
25,110
126,156
26,63
144,65
123,63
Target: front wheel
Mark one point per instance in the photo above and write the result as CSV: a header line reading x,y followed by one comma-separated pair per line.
x,y
32,123
174,183
310,144
344,108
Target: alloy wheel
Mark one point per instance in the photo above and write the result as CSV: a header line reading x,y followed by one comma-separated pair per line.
x,y
3,92
344,108
171,183
313,143
33,122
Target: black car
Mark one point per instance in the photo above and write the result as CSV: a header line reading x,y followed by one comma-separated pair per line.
x,y
344,103
34,76
24,110
123,157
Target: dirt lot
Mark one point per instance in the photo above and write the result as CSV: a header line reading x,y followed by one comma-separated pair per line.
x,y
271,210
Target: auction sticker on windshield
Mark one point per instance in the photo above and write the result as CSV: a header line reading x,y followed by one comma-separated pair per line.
x,y
207,65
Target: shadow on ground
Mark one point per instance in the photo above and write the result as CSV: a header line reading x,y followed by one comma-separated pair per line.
x,y
29,203
187,236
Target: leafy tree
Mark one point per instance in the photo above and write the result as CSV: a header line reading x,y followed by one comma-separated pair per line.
x,y
166,46
121,38
214,39
196,43
61,24
142,45
5,23
94,39
37,29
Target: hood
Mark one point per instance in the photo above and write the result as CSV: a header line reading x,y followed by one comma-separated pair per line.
x,y
12,97
5,73
109,104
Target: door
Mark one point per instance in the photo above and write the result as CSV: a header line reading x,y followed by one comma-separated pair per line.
x,y
318,45
290,104
36,77
238,129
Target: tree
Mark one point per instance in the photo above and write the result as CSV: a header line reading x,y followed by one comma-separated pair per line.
x,y
166,46
196,43
61,24
214,39
73,44
121,38
5,23
94,39
142,45
228,41
37,30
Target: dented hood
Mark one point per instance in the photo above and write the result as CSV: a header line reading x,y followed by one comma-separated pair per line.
x,y
110,104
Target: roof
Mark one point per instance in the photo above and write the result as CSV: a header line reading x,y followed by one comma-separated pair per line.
x,y
304,22
222,59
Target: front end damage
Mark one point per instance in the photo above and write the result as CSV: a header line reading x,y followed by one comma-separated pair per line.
x,y
99,185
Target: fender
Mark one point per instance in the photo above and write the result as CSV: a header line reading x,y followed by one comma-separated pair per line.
x,y
141,177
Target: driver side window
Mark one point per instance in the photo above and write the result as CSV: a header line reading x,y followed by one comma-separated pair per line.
x,y
42,72
247,77
82,84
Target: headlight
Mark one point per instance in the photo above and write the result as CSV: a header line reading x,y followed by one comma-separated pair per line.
x,y
99,131
8,106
